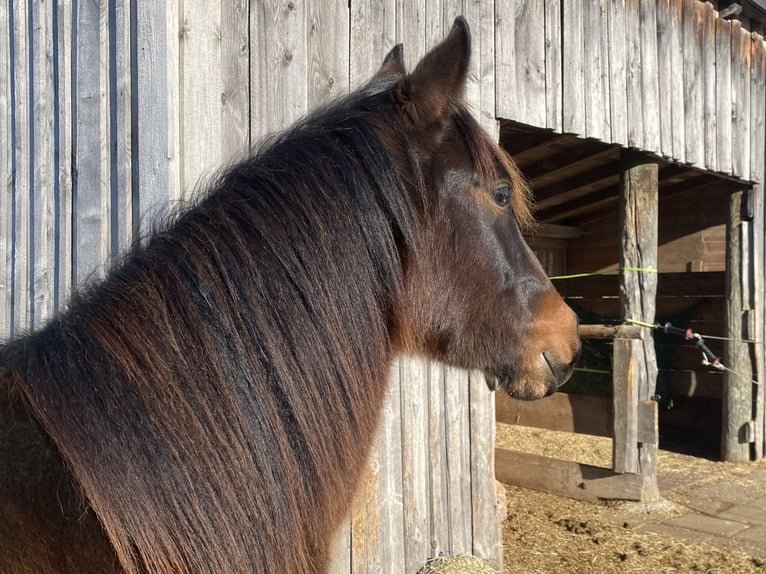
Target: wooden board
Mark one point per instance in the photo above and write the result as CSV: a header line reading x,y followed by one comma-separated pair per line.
x,y
565,478
521,70
6,169
723,96
693,76
618,73
560,412
738,393
573,85
740,100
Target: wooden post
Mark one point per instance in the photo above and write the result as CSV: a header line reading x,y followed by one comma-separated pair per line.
x,y
738,394
638,290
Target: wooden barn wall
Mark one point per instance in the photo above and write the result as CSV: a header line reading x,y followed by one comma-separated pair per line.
x,y
111,111
664,76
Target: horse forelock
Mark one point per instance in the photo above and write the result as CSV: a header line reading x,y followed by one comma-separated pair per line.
x,y
491,161
216,394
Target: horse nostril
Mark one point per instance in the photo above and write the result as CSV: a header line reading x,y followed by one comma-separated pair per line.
x,y
561,372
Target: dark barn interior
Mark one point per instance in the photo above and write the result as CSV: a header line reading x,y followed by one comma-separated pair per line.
x,y
576,190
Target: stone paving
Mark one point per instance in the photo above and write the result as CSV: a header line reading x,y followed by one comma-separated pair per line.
x,y
722,505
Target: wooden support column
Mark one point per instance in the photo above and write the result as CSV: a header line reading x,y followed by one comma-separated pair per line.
x,y
738,393
638,290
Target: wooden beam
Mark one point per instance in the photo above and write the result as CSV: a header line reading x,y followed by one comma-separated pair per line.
x,y
557,164
638,212
576,187
594,202
625,405
560,412
549,231
738,394
565,478
610,331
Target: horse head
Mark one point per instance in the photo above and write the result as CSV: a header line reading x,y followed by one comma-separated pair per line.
x,y
475,295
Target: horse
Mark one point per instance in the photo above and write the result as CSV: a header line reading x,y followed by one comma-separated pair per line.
x,y
209,405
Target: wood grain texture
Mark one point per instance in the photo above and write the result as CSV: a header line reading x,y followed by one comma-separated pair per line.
x,y
723,96
413,378
572,59
553,66
560,412
638,292
625,387
565,478
486,529
738,394
6,174
740,100
618,71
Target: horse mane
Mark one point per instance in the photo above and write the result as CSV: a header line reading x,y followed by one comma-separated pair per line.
x,y
215,394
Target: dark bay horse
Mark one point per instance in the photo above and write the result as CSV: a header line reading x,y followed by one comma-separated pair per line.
x,y
209,405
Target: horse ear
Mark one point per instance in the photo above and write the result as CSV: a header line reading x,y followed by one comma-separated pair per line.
x,y
393,63
426,95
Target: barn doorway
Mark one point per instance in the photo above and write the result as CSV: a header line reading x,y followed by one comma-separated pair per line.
x,y
576,184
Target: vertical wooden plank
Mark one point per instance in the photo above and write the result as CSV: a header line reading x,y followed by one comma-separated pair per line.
x,y
41,189
508,85
553,71
340,554
328,51
693,76
377,535
372,35
737,395
757,110
120,126
486,527
649,79
201,86
235,75
156,176
6,198
710,105
594,67
414,376
755,326
21,151
740,94
278,28
411,22
91,182
439,527
521,60
625,405
638,289
635,99
723,96
757,159
63,192
480,91
671,77
618,71
574,78
457,413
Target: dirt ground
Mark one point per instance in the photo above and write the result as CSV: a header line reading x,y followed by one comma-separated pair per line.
x,y
547,534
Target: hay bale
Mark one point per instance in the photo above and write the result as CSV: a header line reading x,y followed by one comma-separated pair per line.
x,y
461,564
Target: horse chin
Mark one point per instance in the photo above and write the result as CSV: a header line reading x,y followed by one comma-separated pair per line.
x,y
519,389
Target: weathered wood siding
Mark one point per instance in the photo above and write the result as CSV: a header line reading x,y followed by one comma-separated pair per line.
x,y
664,76
111,111
669,77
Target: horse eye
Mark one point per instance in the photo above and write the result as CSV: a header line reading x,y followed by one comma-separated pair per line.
x,y
502,195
